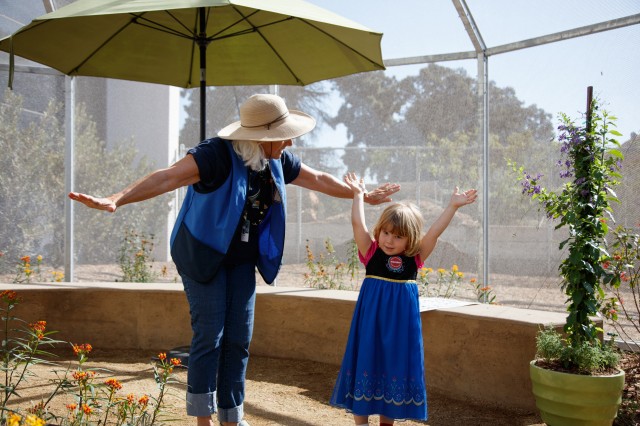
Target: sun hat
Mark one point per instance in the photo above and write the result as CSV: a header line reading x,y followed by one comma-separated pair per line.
x,y
266,118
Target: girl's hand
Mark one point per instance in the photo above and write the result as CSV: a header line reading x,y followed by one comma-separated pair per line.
x,y
462,199
356,185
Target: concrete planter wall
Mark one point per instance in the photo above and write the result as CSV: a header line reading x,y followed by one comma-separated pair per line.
x,y
478,352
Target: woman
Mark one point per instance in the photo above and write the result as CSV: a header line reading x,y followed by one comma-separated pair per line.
x,y
231,221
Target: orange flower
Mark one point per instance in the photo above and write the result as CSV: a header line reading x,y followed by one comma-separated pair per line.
x,y
113,384
162,356
82,349
86,409
176,361
131,398
473,280
143,401
36,408
26,259
38,327
9,295
83,376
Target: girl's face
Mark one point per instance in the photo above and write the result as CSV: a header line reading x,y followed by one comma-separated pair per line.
x,y
392,244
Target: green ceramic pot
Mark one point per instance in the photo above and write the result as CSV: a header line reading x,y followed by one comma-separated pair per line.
x,y
576,400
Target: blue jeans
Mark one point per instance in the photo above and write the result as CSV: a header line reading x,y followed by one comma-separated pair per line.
x,y
222,323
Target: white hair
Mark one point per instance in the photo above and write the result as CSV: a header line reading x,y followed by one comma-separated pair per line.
x,y
251,153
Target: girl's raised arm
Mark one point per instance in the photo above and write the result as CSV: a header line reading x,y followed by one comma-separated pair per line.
x,y
360,231
428,242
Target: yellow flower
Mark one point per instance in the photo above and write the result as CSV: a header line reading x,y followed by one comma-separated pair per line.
x,y
429,270
454,268
33,420
39,258
460,274
14,420
441,271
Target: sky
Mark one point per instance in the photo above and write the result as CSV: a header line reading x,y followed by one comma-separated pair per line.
x,y
554,77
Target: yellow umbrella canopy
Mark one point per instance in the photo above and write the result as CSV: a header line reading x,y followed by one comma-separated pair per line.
x,y
186,43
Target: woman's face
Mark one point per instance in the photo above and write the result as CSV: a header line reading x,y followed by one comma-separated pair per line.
x,y
392,244
273,150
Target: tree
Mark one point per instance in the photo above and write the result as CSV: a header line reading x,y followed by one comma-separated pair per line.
x,y
427,126
32,187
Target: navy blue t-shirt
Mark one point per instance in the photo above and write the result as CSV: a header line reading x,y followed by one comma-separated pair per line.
x,y
214,165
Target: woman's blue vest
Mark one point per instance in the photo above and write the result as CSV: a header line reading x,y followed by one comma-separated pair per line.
x,y
207,222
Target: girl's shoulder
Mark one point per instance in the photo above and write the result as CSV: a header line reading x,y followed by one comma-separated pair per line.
x,y
369,254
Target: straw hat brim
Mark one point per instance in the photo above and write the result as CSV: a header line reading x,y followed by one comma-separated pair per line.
x,y
295,125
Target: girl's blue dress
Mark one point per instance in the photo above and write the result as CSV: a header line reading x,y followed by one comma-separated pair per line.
x,y
382,370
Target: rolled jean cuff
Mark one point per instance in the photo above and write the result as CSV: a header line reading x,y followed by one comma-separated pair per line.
x,y
201,404
231,415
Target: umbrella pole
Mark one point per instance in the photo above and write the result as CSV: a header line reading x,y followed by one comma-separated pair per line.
x,y
202,43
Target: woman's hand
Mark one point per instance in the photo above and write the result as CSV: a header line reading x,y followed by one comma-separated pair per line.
x,y
381,194
104,203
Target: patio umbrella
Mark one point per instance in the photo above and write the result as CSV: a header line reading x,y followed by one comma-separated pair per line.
x,y
184,43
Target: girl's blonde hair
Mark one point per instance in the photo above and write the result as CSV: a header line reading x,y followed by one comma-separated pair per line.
x,y
402,219
251,154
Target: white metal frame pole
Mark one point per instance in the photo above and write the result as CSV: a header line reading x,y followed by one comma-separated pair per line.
x,y
69,263
483,118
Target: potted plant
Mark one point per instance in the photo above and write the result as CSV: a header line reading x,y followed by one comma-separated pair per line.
x,y
567,363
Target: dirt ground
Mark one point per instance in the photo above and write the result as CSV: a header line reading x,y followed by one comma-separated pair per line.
x,y
279,392
291,392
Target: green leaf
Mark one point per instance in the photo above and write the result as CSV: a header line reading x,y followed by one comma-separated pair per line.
x,y
616,153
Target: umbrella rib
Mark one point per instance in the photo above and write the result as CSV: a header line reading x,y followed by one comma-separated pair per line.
x,y
257,29
247,31
342,43
136,18
244,18
163,28
89,56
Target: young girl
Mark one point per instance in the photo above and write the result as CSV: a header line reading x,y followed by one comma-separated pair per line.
x,y
383,366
